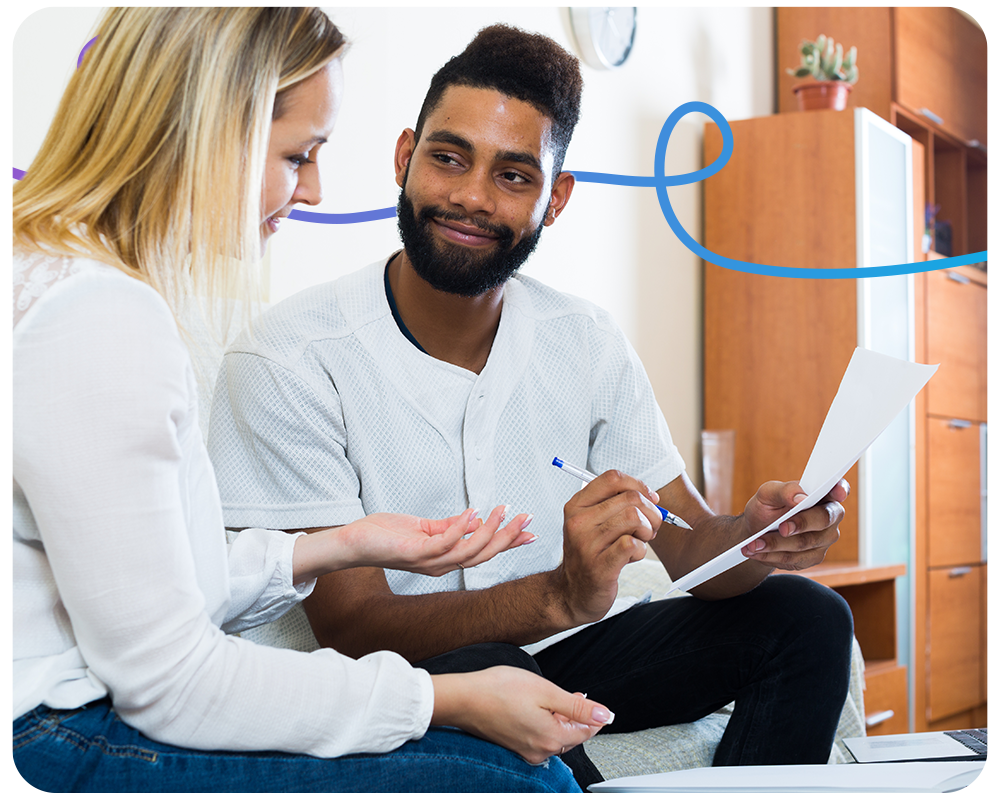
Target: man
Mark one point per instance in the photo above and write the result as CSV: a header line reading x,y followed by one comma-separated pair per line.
x,y
440,379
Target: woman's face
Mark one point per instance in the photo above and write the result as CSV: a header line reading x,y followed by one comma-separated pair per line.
x,y
291,174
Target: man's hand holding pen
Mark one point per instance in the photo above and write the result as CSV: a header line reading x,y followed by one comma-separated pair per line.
x,y
606,526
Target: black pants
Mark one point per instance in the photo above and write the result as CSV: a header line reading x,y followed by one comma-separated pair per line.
x,y
782,651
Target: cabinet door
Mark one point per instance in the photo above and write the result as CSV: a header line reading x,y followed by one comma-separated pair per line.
x,y
956,339
954,493
941,67
954,641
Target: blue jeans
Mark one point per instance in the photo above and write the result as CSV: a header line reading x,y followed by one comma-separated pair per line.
x,y
90,749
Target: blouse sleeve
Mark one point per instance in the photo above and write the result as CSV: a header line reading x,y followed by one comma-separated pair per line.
x,y
101,396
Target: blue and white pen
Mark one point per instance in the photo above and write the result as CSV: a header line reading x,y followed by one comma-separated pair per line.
x,y
587,477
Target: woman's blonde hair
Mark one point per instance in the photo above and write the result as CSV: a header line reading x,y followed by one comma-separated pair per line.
x,y
154,162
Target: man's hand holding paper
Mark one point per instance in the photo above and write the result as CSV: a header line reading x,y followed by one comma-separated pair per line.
x,y
800,541
875,388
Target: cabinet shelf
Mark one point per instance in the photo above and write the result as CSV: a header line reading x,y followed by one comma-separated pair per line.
x,y
852,574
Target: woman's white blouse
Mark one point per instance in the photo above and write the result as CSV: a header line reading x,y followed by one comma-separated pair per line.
x,y
123,581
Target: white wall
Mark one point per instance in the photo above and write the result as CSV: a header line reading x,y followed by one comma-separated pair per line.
x,y
612,244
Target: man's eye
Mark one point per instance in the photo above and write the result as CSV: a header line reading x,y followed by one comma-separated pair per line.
x,y
444,158
514,177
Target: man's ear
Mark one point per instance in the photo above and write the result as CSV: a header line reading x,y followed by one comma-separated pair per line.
x,y
405,145
562,188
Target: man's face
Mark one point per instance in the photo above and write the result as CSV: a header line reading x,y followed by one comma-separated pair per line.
x,y
475,190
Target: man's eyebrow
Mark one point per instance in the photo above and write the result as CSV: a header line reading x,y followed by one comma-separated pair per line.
x,y
520,157
447,137
516,156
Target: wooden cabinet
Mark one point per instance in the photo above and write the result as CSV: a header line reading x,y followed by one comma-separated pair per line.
x,y
774,347
950,557
774,352
801,191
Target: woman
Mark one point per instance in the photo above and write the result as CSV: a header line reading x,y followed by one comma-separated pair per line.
x,y
180,143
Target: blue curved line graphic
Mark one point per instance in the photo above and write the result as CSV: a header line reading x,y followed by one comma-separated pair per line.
x,y
613,180
660,182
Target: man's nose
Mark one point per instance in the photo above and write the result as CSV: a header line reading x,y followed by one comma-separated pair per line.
x,y
474,193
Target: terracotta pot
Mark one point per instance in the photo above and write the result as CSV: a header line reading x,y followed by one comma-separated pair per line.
x,y
822,94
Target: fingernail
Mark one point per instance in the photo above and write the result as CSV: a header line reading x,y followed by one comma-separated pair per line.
x,y
792,528
506,511
799,498
475,513
602,715
532,539
527,521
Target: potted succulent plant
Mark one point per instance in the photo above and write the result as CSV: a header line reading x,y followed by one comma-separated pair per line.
x,y
833,74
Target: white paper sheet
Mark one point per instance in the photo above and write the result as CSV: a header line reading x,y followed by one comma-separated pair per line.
x,y
924,776
874,389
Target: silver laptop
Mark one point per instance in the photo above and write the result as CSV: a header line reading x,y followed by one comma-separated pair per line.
x,y
963,745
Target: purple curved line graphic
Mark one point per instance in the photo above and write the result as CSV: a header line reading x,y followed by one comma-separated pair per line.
x,y
86,47
343,219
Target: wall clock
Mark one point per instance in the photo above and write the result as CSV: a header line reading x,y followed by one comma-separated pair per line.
x,y
604,35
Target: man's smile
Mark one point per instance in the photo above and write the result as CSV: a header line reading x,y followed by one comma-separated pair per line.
x,y
463,233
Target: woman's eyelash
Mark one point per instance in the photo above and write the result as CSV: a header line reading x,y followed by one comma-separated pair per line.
x,y
300,160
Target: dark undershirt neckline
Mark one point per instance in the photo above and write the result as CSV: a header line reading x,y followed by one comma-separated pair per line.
x,y
395,312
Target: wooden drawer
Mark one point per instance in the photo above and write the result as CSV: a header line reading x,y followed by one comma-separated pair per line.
x,y
885,691
956,339
954,641
954,499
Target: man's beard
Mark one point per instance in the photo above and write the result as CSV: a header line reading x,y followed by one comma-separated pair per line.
x,y
453,268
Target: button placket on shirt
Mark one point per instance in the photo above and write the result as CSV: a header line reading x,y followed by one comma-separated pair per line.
x,y
478,434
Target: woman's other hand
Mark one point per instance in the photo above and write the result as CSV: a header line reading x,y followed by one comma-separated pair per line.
x,y
517,709
414,544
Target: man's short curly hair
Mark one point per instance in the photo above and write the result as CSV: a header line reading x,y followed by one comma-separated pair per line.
x,y
526,66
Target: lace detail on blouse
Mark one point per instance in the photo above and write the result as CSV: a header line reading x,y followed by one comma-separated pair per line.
x,y
34,274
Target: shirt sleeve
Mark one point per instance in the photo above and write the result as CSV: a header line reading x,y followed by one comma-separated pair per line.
x,y
261,587
101,399
279,446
